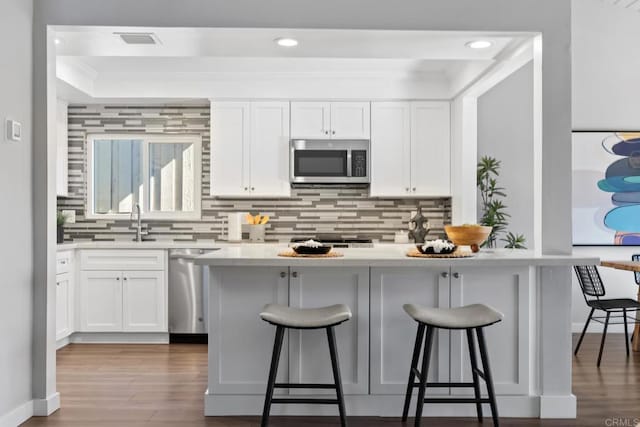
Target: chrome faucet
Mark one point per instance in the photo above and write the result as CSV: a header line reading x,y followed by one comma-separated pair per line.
x,y
138,224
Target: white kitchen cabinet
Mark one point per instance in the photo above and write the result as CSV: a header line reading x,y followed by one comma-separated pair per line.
x,y
101,301
390,149
393,332
62,149
144,301
238,339
64,305
330,120
410,149
250,149
508,290
430,149
230,140
309,359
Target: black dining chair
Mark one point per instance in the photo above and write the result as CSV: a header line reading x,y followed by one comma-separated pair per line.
x,y
636,275
593,291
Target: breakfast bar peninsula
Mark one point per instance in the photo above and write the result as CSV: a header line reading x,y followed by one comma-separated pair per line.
x,y
530,350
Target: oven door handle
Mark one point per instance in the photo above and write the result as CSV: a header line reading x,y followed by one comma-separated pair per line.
x,y
349,164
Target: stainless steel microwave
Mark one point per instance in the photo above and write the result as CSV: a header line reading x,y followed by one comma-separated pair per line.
x,y
330,161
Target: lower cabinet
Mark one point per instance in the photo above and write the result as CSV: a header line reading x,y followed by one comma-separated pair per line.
x,y
393,332
64,305
243,343
123,301
309,359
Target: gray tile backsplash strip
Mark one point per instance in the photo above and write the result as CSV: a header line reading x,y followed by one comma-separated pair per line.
x,y
347,211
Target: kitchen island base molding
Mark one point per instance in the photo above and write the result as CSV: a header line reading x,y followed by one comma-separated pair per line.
x,y
558,406
371,406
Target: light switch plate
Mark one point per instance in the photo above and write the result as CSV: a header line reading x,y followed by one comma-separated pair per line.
x,y
70,214
13,130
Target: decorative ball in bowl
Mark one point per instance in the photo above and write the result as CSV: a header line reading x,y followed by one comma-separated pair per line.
x,y
436,247
311,247
468,235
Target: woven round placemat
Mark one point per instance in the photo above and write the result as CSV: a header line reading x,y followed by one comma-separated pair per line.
x,y
292,254
457,254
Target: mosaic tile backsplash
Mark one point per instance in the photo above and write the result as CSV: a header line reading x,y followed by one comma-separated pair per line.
x,y
309,211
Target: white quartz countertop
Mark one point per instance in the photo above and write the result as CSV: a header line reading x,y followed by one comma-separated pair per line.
x,y
382,255
201,244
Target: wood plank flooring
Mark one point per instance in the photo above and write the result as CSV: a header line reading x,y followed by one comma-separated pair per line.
x,y
163,385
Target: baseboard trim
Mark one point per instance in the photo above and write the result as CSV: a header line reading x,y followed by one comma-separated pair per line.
x,y
18,415
558,406
62,342
46,407
119,338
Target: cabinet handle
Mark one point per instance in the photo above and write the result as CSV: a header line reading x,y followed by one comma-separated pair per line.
x,y
283,274
326,132
406,189
117,278
456,275
294,274
414,189
253,188
333,132
63,262
246,188
124,278
444,274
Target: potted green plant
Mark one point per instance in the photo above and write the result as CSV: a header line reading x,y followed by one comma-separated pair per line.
x,y
494,211
61,220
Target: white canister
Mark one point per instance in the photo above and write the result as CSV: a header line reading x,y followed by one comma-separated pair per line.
x,y
234,226
401,237
256,233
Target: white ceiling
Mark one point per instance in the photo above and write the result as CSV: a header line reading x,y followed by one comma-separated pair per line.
x,y
626,4
94,59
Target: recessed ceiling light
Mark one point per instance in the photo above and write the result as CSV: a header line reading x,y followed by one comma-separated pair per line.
x,y
479,44
286,42
139,38
57,41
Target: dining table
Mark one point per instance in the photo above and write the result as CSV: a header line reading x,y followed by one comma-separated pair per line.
x,y
633,266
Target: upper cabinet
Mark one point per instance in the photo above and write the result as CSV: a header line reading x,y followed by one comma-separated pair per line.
x,y
62,151
410,149
330,120
250,149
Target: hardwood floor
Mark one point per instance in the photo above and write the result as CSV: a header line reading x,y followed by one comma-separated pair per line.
x,y
149,385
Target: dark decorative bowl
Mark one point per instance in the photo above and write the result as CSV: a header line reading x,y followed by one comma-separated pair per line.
x,y
309,250
430,251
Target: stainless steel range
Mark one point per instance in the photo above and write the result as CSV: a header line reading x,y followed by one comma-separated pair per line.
x,y
337,241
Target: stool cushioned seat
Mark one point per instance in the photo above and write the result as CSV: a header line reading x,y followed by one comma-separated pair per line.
x,y
292,317
468,316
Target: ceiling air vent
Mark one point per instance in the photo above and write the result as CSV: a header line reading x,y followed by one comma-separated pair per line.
x,y
139,38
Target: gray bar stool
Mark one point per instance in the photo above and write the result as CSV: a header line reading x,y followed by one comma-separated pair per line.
x,y
470,317
304,318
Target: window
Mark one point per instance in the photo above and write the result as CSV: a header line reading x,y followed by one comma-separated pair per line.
x,y
159,172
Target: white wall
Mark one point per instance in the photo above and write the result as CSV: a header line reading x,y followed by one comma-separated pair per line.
x,y
606,95
505,131
16,216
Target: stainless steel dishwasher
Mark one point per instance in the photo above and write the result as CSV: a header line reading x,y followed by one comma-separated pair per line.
x,y
188,295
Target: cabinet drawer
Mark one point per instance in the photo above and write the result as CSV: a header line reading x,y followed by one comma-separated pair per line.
x,y
64,260
122,259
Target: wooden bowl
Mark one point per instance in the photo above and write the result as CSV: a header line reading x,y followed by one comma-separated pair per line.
x,y
468,235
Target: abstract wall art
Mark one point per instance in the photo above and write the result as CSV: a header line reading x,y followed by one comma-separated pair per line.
x,y
606,188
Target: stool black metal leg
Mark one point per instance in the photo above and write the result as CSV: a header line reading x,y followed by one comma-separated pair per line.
x,y
414,365
474,371
584,330
424,373
336,375
273,371
604,336
487,375
626,330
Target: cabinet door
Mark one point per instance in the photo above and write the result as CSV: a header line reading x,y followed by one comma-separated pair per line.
x,y
144,301
430,149
509,291
309,359
63,305
390,149
350,120
269,150
101,296
240,343
310,120
393,332
230,140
